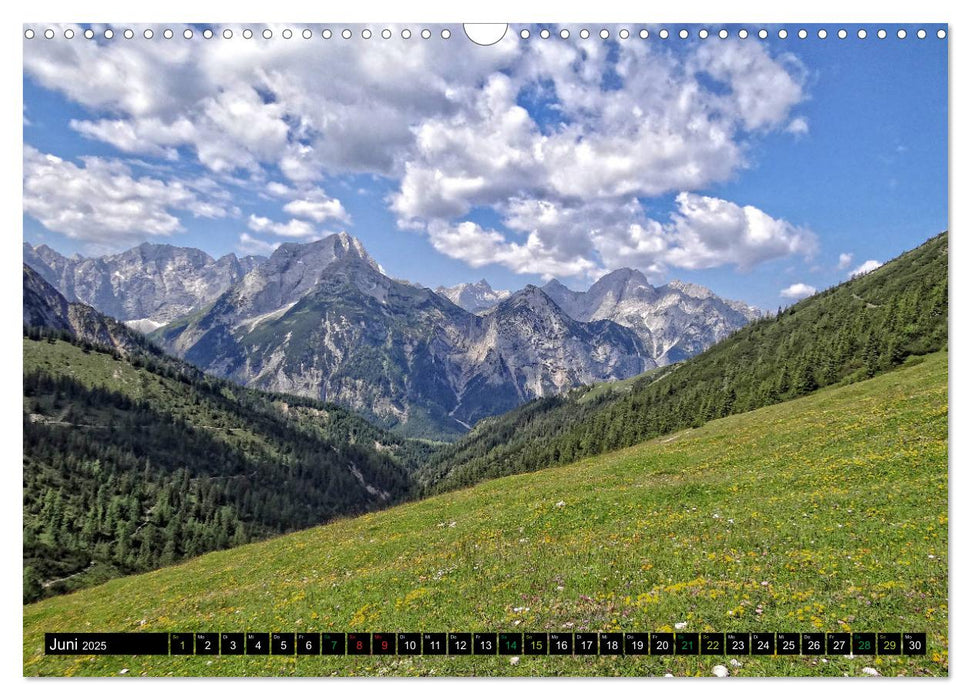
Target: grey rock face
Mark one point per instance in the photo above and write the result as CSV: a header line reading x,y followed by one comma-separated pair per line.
x,y
322,320
146,286
45,307
474,297
674,321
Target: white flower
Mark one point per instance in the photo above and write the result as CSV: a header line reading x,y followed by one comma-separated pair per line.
x,y
720,671
680,625
514,660
736,663
561,504
867,670
122,672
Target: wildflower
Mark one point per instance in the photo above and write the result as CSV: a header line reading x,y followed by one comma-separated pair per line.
x,y
680,625
514,661
867,670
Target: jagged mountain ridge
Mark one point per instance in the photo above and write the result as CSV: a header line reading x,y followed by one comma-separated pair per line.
x,y
674,321
146,286
474,297
322,320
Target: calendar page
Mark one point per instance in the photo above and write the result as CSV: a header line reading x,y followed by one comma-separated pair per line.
x,y
485,350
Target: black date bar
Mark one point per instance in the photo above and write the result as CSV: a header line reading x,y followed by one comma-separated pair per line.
x,y
106,643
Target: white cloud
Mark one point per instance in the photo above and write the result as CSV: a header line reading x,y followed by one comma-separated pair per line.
x,y
798,127
101,201
294,228
279,189
709,232
317,206
447,122
251,245
589,239
477,246
845,260
799,290
237,104
868,266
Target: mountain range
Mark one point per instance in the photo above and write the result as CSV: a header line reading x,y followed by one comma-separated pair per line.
x,y
321,319
146,286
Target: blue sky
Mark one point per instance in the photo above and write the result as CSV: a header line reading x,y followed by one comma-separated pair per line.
x,y
749,166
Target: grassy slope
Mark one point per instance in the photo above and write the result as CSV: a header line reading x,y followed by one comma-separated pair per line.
x,y
847,333
820,513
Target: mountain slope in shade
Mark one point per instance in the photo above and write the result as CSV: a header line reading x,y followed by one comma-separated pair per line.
x,y
674,321
322,320
45,307
146,286
474,297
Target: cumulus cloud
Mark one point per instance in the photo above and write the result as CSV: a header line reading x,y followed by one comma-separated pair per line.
x,y
661,131
103,202
317,206
845,260
589,239
563,140
294,228
798,126
799,290
868,266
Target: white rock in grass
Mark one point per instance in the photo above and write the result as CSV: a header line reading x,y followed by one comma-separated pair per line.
x,y
736,663
868,671
680,625
720,671
514,661
669,675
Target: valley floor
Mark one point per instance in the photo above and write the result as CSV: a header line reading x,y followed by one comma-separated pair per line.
x,y
827,513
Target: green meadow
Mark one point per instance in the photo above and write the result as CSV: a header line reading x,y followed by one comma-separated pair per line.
x,y
825,513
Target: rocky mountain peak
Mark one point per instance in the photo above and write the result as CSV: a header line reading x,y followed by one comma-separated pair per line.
x,y
474,297
529,297
621,284
689,289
